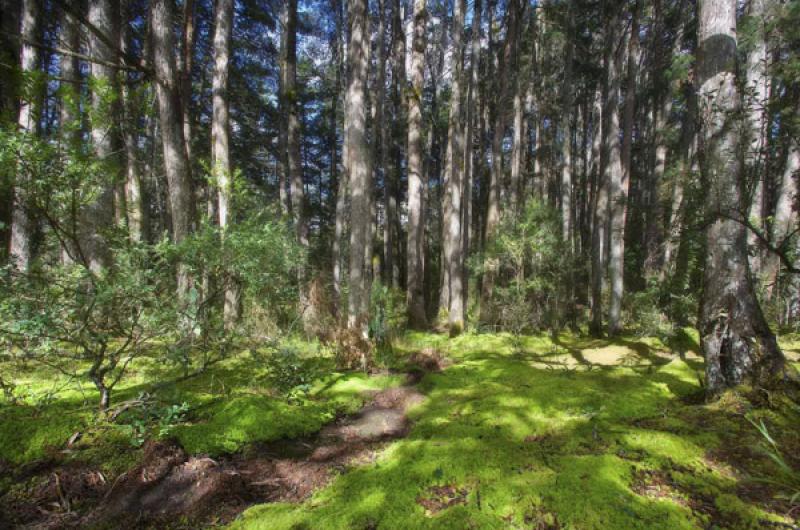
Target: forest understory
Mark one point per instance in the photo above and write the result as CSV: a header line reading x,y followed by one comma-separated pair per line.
x,y
400,264
481,431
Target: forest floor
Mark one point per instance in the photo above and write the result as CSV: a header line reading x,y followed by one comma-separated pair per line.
x,y
480,431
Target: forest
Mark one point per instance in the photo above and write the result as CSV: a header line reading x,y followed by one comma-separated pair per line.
x,y
387,264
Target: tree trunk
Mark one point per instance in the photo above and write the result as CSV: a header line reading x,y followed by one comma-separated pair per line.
x,y
340,178
567,215
496,178
414,251
357,162
756,99
602,211
97,216
70,124
22,223
736,340
220,143
619,170
186,67
454,183
470,120
176,167
130,135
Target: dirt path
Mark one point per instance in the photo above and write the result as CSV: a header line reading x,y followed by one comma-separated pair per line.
x,y
170,486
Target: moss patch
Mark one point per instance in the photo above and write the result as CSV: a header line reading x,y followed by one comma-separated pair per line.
x,y
522,438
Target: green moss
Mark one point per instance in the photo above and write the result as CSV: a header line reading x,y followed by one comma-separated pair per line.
x,y
230,423
535,444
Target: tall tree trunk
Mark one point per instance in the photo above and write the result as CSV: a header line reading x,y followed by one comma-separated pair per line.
x,y
619,170
454,182
496,178
97,216
567,215
130,135
291,106
340,178
602,210
186,67
70,124
470,121
9,102
381,156
176,166
414,251
357,162
756,99
398,137
220,143
736,340
22,223
619,177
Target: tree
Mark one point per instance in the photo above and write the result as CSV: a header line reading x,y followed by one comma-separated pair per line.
x,y
176,165
454,183
357,163
22,222
415,251
98,216
620,170
220,141
736,340
136,212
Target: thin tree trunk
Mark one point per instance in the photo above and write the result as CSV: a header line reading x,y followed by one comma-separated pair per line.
x,y
220,143
736,340
22,223
454,183
358,161
495,184
97,216
340,222
70,124
186,67
567,216
176,166
414,251
130,134
620,170
756,99
470,121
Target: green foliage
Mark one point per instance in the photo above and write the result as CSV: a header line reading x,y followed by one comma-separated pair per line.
x,y
534,271
87,325
152,420
291,374
387,315
787,479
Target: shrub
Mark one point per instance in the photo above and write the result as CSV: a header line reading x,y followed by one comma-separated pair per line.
x,y
534,271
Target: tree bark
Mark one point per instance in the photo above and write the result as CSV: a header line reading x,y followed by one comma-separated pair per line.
x,y
357,162
176,166
70,124
220,143
22,223
98,216
470,121
619,172
454,183
130,134
414,251
736,340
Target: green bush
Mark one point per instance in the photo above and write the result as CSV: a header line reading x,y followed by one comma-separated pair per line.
x,y
534,271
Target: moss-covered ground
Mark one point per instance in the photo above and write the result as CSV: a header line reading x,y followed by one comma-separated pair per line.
x,y
532,432
558,432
